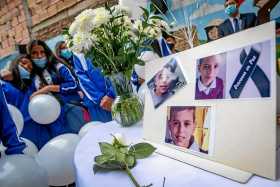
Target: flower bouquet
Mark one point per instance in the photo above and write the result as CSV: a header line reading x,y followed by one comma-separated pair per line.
x,y
114,43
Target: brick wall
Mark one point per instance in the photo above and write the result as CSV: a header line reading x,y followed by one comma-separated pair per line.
x,y
23,20
66,9
13,26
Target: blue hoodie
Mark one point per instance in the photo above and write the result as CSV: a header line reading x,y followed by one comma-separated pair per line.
x,y
95,86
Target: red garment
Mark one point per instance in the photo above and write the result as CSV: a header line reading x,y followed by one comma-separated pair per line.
x,y
239,2
86,115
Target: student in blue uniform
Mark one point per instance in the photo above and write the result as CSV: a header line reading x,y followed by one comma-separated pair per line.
x,y
77,113
8,131
53,76
39,134
99,92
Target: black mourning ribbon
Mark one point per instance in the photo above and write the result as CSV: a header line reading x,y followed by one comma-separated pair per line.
x,y
250,69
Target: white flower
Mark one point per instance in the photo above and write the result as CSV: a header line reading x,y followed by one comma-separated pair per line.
x,y
120,137
159,23
138,25
66,37
121,10
102,16
82,42
84,22
74,27
152,32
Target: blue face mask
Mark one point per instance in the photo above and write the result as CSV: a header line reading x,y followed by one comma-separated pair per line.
x,y
40,62
23,73
65,53
231,9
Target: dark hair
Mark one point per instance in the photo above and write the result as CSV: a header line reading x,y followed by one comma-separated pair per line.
x,y
51,58
228,0
166,35
176,109
17,81
171,66
57,50
62,59
207,29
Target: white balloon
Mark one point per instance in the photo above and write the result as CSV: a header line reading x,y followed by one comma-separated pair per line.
x,y
44,109
21,171
56,157
87,127
31,149
17,117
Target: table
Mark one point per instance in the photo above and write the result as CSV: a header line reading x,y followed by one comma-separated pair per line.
x,y
149,170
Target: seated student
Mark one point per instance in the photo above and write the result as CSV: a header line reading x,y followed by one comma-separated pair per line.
x,y
53,76
181,127
208,85
98,90
163,83
8,131
23,86
76,112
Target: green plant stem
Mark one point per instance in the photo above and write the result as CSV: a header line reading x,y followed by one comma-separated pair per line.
x,y
131,176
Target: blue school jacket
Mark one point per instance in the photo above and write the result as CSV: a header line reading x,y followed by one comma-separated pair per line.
x,y
94,85
8,131
67,82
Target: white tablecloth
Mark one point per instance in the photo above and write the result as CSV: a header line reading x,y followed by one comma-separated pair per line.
x,y
149,170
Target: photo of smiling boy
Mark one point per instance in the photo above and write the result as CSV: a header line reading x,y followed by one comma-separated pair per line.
x,y
187,127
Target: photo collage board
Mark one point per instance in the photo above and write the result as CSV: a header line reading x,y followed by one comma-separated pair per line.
x,y
209,99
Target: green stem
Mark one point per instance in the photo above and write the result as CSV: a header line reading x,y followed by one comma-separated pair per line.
x,y
131,176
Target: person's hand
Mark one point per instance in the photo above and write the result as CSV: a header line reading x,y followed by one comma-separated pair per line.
x,y
106,103
81,94
6,75
43,90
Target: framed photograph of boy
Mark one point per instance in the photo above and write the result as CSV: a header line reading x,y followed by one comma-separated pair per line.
x,y
211,75
189,127
166,82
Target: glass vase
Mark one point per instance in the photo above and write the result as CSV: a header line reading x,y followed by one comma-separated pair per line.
x,y
127,108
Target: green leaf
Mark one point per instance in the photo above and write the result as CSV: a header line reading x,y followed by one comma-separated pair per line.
x,y
120,157
156,17
130,161
101,159
112,165
142,150
96,168
145,13
106,148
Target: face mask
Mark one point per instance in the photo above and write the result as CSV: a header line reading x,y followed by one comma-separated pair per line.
x,y
65,53
40,62
231,9
23,73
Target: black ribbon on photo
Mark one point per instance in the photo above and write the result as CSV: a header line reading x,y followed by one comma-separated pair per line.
x,y
250,69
